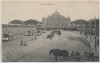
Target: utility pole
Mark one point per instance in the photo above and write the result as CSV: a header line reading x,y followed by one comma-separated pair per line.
x,y
90,30
7,28
95,34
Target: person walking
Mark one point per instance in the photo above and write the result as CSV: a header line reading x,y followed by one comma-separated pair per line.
x,y
35,38
77,56
21,42
72,56
86,36
25,44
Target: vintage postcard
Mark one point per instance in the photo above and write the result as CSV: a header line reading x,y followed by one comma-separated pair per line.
x,y
50,31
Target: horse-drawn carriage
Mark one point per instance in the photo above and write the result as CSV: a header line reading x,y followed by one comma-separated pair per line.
x,y
53,33
50,35
64,55
7,37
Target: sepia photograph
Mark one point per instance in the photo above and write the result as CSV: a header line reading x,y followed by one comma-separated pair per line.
x,y
50,31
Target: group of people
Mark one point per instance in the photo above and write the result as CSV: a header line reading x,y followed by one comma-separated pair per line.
x,y
35,38
65,55
23,43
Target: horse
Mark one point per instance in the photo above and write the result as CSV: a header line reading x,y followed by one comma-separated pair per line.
x,y
56,53
59,54
65,55
51,51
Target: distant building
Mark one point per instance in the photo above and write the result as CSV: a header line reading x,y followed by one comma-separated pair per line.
x,y
56,21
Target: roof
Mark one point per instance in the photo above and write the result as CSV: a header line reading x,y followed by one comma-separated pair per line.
x,y
56,17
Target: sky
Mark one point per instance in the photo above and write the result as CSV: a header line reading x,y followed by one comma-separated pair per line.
x,y
24,10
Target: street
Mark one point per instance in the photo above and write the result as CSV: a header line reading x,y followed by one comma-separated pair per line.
x,y
38,50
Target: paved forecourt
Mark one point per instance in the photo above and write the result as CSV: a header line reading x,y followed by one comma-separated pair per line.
x,y
69,40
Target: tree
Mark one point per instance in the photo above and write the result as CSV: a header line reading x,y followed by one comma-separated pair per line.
x,y
80,21
16,22
31,22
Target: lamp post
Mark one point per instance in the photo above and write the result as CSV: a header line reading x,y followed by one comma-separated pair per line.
x,y
18,30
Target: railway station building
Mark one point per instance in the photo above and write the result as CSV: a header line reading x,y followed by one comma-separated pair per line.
x,y
56,21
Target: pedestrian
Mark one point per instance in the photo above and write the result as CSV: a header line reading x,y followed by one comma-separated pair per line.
x,y
73,56
86,36
80,32
86,54
77,56
24,33
21,42
35,38
77,53
25,44
97,42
